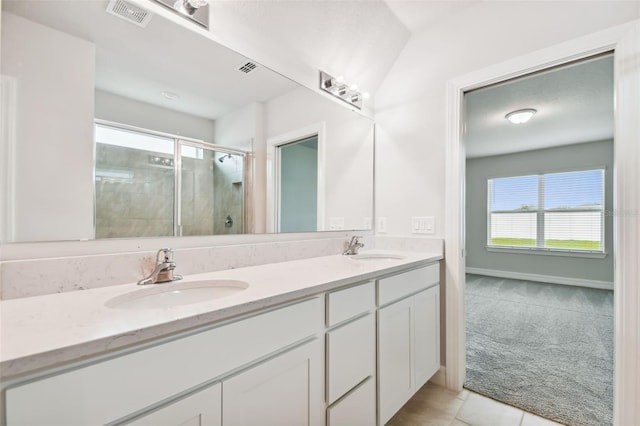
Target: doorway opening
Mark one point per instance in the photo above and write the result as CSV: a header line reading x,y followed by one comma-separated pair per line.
x,y
298,185
295,180
539,241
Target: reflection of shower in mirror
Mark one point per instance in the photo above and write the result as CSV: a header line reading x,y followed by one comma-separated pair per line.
x,y
221,159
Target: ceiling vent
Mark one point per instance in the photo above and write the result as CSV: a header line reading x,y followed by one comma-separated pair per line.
x,y
129,12
248,67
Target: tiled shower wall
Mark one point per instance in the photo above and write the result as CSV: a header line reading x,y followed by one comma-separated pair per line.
x,y
228,195
198,194
135,198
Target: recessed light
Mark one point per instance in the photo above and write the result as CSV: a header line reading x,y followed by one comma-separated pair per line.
x,y
520,116
170,95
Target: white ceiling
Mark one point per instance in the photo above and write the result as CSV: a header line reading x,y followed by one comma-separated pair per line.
x,y
417,15
140,63
359,40
574,104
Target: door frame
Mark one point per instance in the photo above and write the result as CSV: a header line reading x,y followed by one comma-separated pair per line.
x,y
624,40
273,173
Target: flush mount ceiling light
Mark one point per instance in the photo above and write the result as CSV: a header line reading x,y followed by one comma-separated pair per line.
x,y
520,116
337,87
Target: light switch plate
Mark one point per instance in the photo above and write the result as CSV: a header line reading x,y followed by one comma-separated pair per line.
x,y
381,227
366,224
422,225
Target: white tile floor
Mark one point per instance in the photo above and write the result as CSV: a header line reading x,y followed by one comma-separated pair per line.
x,y
435,405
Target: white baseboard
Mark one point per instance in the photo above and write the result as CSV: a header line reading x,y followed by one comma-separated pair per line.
x,y
438,378
577,282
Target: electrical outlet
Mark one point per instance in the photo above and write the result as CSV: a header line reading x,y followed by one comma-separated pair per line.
x,y
422,225
366,223
336,223
381,227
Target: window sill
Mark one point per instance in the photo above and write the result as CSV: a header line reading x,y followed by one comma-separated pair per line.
x,y
547,252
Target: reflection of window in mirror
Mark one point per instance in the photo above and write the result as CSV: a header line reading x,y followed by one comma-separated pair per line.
x,y
149,184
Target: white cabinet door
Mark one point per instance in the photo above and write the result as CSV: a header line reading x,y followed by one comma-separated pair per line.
x,y
426,335
200,409
358,408
408,349
394,357
285,390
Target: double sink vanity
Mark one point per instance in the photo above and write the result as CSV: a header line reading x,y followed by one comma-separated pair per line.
x,y
336,340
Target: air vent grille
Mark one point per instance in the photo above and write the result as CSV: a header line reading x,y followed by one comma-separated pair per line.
x,y
248,67
129,12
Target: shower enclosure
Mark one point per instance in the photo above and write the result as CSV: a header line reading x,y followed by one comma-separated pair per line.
x,y
149,184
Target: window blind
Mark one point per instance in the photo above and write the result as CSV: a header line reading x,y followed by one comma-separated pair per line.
x,y
552,211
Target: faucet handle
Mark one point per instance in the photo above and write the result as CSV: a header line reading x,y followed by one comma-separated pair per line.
x,y
164,255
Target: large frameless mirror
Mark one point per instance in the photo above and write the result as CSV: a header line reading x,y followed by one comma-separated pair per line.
x,y
121,129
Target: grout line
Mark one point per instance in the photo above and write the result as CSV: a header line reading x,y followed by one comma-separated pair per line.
x,y
464,401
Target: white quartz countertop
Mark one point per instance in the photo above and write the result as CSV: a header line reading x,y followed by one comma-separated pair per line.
x,y
48,331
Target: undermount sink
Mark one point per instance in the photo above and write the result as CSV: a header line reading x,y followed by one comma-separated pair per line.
x,y
176,294
377,256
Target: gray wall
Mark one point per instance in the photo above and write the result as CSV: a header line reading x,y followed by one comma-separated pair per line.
x,y
594,154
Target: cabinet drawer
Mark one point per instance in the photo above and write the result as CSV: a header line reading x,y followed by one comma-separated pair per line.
x,y
356,409
350,356
401,285
137,380
350,302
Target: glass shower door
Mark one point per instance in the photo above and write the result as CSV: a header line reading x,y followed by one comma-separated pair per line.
x,y
211,191
134,184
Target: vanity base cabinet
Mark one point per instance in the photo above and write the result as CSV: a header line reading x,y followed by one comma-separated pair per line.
x,y
203,408
124,387
284,391
408,336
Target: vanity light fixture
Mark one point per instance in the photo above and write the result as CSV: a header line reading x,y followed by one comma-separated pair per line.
x,y
336,86
520,116
189,7
194,10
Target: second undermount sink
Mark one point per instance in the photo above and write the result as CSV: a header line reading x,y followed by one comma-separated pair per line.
x,y
177,293
376,256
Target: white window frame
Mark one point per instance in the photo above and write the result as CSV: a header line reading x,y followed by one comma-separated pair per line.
x,y
541,212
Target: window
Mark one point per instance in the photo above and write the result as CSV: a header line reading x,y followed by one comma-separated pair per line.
x,y
552,211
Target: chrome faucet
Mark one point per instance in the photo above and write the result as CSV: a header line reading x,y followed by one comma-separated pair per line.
x,y
163,271
353,247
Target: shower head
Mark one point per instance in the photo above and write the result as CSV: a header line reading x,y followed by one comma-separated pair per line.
x,y
221,159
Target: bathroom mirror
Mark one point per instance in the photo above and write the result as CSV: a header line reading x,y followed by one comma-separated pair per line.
x,y
118,123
